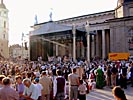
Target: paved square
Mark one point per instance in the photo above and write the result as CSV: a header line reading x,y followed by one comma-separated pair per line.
x,y
106,94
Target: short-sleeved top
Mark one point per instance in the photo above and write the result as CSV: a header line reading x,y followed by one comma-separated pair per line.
x,y
39,86
82,89
73,79
32,91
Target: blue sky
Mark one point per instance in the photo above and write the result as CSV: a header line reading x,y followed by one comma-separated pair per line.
x,y
22,12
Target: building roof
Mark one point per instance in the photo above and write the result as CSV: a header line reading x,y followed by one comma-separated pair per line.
x,y
124,1
128,1
2,5
51,27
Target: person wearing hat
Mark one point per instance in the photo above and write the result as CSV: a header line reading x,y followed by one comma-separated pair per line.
x,y
39,86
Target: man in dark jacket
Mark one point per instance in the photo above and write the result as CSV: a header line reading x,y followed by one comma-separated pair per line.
x,y
123,77
59,86
114,72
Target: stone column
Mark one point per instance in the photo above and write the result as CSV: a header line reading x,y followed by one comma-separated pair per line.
x,y
103,44
92,46
74,42
56,49
97,44
82,51
88,41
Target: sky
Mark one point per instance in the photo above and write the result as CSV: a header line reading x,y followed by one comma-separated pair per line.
x,y
22,13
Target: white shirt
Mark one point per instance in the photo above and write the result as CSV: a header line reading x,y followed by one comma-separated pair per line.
x,y
32,91
39,86
82,89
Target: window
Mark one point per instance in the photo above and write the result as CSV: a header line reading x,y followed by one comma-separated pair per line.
x,y
4,24
131,11
4,36
130,32
130,39
4,12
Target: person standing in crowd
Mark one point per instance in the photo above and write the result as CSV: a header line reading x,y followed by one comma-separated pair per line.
x,y
7,92
19,86
114,73
59,86
82,90
118,93
131,70
108,76
30,91
39,86
123,77
73,79
1,77
99,78
47,86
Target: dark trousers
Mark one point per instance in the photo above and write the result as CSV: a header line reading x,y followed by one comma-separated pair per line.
x,y
82,97
39,98
132,81
60,96
123,82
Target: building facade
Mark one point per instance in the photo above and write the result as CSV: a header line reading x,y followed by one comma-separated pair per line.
x,y
4,28
106,32
17,51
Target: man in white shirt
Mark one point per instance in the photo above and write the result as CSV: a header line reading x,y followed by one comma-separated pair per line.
x,y
30,91
39,86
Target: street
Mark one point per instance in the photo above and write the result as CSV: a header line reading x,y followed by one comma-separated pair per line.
x,y
106,94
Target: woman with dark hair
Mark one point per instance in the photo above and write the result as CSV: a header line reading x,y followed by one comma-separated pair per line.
x,y
118,93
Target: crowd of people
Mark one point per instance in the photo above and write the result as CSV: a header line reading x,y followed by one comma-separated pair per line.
x,y
62,79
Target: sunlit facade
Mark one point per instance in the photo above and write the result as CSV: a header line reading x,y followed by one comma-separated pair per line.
x,y
17,51
109,31
4,28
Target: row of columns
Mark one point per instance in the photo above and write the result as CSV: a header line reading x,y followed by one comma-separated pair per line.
x,y
87,27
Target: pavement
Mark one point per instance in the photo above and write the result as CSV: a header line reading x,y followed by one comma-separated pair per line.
x,y
106,94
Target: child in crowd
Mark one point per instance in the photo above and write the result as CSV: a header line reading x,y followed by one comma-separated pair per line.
x,y
92,84
82,90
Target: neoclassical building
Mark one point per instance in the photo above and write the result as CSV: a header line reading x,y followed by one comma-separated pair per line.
x,y
86,36
4,28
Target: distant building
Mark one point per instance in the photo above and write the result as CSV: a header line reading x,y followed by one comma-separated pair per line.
x,y
97,34
4,28
17,51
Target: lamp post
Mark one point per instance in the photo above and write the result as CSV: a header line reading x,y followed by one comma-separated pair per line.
x,y
22,39
87,27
